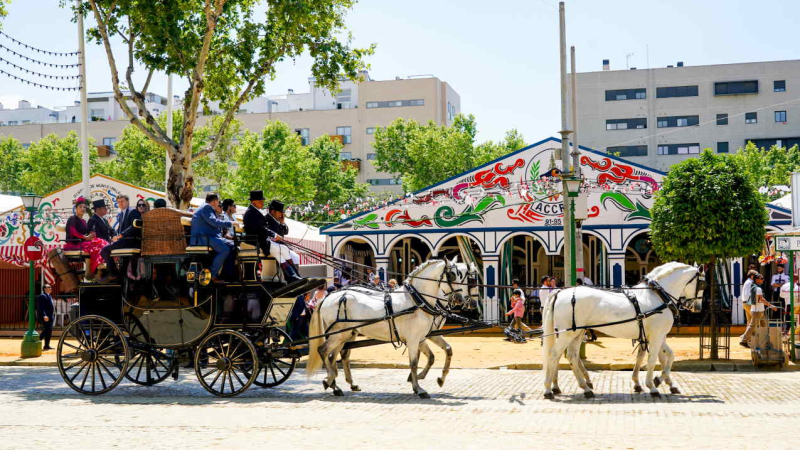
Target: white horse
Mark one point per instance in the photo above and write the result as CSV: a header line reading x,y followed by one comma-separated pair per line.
x,y
433,280
598,307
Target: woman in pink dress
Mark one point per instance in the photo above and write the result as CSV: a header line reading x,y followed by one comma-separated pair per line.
x,y
79,238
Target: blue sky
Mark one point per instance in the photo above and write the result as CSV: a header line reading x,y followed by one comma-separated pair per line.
x,y
501,56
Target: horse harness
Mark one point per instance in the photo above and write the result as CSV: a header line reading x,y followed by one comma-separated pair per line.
x,y
639,317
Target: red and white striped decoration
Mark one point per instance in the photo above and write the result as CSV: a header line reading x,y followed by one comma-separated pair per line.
x,y
15,255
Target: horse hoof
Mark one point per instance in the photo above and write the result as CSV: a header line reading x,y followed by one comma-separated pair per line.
x,y
338,392
549,395
588,394
655,394
589,383
637,388
424,395
556,391
657,381
440,381
325,384
674,390
355,388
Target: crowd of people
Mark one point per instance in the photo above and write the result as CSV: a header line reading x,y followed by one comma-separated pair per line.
x,y
757,299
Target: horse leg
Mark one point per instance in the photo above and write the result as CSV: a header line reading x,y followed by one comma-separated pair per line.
x,y
577,348
346,367
652,359
413,362
551,374
667,358
639,359
424,348
326,350
448,351
573,355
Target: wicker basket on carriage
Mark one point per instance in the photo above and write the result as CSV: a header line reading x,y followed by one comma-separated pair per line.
x,y
163,233
64,270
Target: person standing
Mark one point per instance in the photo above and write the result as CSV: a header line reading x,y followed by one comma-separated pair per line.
x,y
778,280
46,310
748,283
544,291
757,304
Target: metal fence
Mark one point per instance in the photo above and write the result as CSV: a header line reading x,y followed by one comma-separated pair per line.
x,y
14,311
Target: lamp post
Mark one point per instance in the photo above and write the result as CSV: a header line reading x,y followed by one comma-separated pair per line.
x,y
573,185
31,345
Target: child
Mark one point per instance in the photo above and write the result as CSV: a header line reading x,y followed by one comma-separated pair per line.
x,y
517,308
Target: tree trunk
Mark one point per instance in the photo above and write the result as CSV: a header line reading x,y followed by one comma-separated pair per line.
x,y
180,188
712,301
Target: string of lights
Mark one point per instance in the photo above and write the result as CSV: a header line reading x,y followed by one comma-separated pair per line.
x,y
38,50
20,55
39,85
43,75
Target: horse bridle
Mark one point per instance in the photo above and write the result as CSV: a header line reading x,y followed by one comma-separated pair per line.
x,y
700,281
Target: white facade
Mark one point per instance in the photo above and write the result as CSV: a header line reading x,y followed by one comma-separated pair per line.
x,y
659,117
104,107
24,114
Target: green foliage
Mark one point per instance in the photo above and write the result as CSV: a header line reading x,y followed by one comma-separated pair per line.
x,y
215,168
276,162
333,183
426,154
769,167
707,208
53,163
11,152
3,9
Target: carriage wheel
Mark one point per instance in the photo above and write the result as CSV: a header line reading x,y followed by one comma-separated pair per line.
x,y
99,359
276,367
226,363
149,365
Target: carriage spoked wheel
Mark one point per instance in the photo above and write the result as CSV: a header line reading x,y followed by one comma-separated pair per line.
x,y
97,360
226,363
276,365
148,365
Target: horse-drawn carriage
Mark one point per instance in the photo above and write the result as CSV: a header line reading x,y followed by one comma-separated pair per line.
x,y
164,309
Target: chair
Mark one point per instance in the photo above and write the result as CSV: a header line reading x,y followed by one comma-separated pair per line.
x,y
61,312
163,233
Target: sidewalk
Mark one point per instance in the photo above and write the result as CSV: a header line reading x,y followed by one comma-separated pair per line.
x,y
491,352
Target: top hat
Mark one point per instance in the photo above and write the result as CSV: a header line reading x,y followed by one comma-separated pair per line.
x,y
276,205
97,204
256,196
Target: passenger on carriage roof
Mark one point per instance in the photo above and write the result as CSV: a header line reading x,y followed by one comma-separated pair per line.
x,y
127,236
271,226
207,230
98,222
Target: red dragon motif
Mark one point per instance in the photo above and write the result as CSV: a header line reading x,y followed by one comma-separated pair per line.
x,y
615,172
494,176
406,218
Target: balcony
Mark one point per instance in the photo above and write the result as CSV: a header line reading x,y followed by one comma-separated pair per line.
x,y
354,163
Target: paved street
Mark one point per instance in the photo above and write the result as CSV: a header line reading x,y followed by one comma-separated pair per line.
x,y
476,408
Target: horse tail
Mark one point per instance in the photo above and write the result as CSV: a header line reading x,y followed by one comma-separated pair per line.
x,y
548,328
314,362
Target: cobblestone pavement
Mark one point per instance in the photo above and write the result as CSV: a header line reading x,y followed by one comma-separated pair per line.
x,y
475,409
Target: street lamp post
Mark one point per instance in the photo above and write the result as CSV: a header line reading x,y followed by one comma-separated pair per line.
x,y
573,189
31,345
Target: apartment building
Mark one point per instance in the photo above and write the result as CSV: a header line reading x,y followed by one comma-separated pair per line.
x,y
658,117
351,116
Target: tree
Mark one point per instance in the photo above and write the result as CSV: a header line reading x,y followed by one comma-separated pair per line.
x,y
768,168
707,209
11,152
275,161
489,151
141,161
52,163
334,183
225,49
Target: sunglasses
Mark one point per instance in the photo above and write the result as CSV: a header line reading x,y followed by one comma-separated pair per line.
x,y
141,205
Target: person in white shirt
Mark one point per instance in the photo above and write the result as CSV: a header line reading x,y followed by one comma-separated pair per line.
x,y
785,295
778,280
515,286
748,283
757,304
544,291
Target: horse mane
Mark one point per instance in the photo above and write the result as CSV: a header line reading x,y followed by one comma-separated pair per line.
x,y
421,267
664,270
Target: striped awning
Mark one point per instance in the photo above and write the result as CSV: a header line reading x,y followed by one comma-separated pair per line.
x,y
14,255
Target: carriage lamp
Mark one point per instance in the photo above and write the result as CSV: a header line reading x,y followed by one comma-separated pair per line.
x,y
31,345
573,185
205,277
191,274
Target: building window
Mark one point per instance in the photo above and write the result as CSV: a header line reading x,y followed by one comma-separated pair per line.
x,y
751,117
625,124
13,122
722,119
736,87
370,130
304,135
626,94
678,121
396,103
679,149
97,114
780,116
26,146
109,142
26,122
628,150
372,156
722,147
676,91
451,111
779,85
344,132
383,181
345,156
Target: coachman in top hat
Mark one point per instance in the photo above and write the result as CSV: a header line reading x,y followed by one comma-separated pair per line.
x,y
270,230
